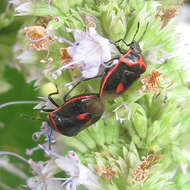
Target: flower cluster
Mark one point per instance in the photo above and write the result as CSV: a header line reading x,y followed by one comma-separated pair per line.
x,y
63,42
43,172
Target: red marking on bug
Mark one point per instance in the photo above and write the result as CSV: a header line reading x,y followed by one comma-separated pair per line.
x,y
75,99
80,98
81,116
106,78
88,122
112,70
53,121
119,88
140,62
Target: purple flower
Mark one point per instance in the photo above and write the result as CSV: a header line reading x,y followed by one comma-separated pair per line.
x,y
88,52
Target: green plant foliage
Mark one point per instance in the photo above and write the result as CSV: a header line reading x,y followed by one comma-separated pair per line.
x,y
152,121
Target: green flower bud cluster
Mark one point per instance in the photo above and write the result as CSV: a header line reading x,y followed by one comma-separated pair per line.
x,y
147,123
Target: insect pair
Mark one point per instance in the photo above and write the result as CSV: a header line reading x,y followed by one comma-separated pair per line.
x,y
82,111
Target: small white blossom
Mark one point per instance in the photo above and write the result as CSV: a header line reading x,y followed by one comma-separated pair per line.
x,y
23,55
16,2
22,7
45,130
89,51
79,174
27,56
35,183
157,55
128,109
43,171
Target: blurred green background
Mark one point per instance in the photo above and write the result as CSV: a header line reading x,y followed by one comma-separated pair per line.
x,y
15,131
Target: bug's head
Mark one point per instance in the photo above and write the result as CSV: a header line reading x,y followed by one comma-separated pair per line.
x,y
135,47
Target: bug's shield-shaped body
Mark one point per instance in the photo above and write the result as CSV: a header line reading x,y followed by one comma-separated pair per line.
x,y
119,77
76,114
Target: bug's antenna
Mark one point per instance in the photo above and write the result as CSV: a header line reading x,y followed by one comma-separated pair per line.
x,y
138,25
143,33
29,117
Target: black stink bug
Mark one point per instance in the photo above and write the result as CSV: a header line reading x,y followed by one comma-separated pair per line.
x,y
118,77
75,114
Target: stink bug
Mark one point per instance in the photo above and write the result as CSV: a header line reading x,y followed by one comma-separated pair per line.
x,y
75,114
118,77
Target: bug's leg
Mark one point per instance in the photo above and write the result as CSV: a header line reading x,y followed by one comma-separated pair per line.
x,y
66,95
138,26
47,110
143,33
51,99
49,138
110,64
30,117
119,49
122,41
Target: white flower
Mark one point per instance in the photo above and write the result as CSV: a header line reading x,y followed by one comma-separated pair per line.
x,y
16,2
89,51
24,55
35,183
43,171
27,56
157,55
45,130
79,174
22,7
127,108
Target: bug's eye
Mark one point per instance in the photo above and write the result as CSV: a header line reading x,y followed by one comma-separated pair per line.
x,y
77,44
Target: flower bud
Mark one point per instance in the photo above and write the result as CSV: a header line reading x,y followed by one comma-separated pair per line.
x,y
139,120
154,130
36,8
111,129
98,128
85,137
137,141
133,155
113,21
75,143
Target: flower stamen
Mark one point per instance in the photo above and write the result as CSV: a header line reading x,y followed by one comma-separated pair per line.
x,y
38,37
140,173
106,172
151,82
